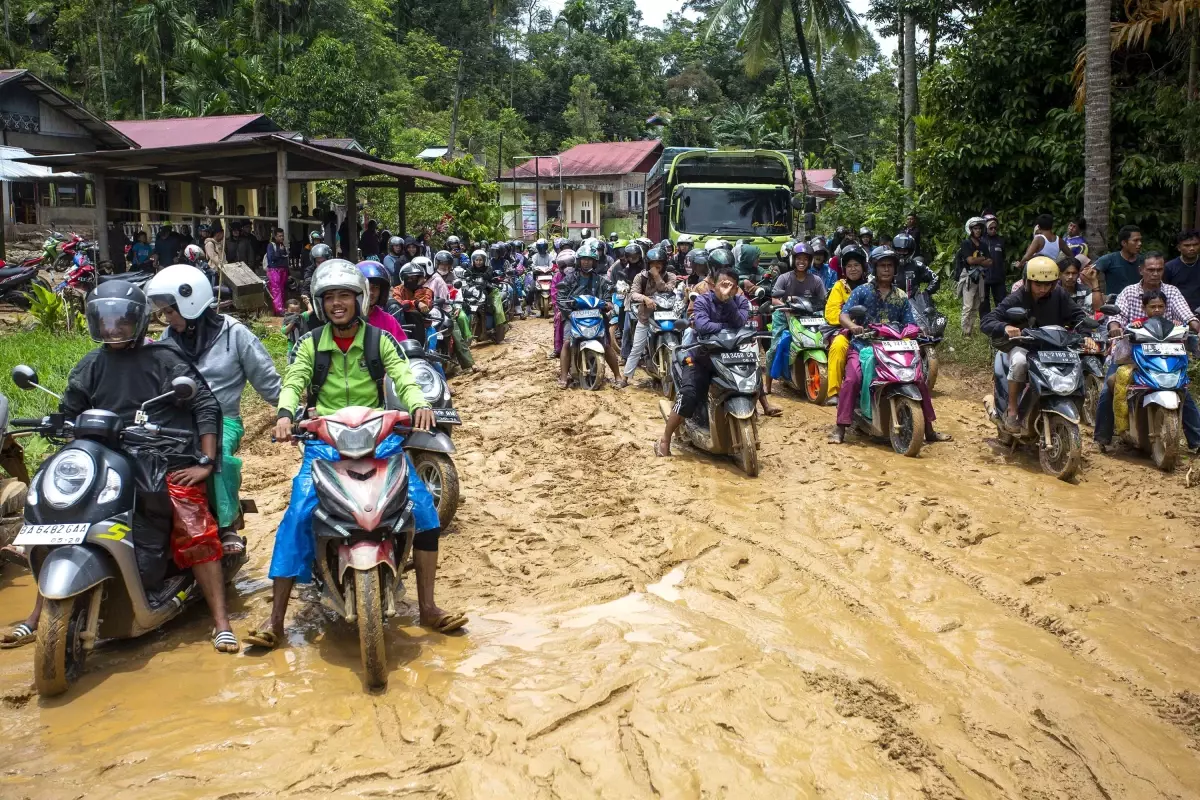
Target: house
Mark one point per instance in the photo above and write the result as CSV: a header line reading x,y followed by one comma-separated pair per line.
x,y
822,183
36,119
597,187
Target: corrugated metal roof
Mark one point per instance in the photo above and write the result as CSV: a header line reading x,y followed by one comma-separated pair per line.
x,y
16,171
345,143
178,131
593,158
106,135
820,182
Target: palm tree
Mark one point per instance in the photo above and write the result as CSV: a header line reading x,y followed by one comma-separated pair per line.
x,y
156,21
743,126
1097,147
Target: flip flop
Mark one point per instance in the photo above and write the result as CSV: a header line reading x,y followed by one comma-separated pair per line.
x,y
774,412
19,636
939,437
447,623
659,452
256,638
225,642
232,544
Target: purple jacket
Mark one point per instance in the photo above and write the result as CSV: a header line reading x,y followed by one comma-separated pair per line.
x,y
711,316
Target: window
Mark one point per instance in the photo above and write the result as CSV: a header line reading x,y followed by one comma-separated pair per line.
x,y
552,209
606,198
635,198
585,215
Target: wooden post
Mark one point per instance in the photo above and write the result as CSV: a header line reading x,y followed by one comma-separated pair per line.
x,y
100,195
144,205
281,192
351,221
402,204
197,208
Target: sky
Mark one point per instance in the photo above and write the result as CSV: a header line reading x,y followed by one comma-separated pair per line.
x,y
654,14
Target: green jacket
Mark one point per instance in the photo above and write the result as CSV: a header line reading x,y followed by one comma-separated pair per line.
x,y
349,383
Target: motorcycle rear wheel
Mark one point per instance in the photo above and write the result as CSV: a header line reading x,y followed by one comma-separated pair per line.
x,y
1064,457
591,372
368,602
1092,385
908,434
815,380
440,475
747,439
1164,443
58,653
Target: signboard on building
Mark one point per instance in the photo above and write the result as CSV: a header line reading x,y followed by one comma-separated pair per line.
x,y
529,216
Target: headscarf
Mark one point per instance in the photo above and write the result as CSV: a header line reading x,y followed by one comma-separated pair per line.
x,y
200,334
747,255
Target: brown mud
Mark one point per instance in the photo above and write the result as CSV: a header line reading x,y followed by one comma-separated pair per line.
x,y
850,624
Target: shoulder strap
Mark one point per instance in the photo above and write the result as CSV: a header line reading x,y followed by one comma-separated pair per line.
x,y
321,363
371,339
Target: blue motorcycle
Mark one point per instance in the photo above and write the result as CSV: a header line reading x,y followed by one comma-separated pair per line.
x,y
667,322
1155,395
586,342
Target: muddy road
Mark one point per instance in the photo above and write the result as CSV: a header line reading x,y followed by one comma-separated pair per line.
x,y
851,624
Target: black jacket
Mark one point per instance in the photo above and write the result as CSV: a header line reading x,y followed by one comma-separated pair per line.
x,y
121,380
1056,308
913,273
576,283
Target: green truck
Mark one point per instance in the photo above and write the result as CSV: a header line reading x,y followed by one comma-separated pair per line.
x,y
727,194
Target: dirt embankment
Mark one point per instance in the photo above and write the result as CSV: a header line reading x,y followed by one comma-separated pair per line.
x,y
850,624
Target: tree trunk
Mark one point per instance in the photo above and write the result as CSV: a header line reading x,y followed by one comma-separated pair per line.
x,y
103,78
162,82
279,39
900,96
1189,219
935,20
143,82
910,97
454,110
814,92
1097,148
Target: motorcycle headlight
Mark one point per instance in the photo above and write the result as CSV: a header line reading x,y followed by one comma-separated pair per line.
x,y
905,374
1060,383
355,442
428,380
1167,380
112,487
68,478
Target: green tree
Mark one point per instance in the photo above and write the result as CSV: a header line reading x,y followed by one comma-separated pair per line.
x,y
583,114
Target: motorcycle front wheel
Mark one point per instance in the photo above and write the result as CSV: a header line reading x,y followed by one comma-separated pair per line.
x,y
591,370
1164,441
543,306
1064,456
662,367
368,605
58,652
908,432
747,439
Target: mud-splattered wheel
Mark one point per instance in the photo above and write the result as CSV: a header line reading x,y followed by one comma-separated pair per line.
x,y
1064,456
930,368
368,602
1164,437
908,430
1092,385
440,476
662,366
747,442
58,652
815,380
591,370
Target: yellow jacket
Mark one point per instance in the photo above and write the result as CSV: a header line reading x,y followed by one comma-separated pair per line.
x,y
837,298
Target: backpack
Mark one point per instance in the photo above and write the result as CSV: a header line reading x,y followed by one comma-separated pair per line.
x,y
323,359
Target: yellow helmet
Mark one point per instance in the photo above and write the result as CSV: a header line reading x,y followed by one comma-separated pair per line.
x,y
1041,269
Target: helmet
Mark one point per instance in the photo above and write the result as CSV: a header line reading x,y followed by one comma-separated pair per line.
x,y
884,252
453,241
182,286
315,236
656,254
338,273
612,237
395,241
496,251
412,273
855,253
193,253
685,238
559,243
714,244
904,243
632,250
802,248
442,257
645,243
980,221
719,259
590,249
425,265
481,254
540,245
1041,269
410,240
785,249
697,258
374,272
322,252
865,232
666,245
817,245
117,312
565,259
842,230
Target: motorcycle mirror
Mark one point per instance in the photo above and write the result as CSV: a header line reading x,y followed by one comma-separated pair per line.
x,y
458,284
24,377
760,293
183,388
797,202
1087,324
1016,315
805,306
1110,309
857,314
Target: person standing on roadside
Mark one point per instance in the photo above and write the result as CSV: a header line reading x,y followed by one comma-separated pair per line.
x,y
994,277
214,250
1184,272
277,270
973,262
1045,242
1122,267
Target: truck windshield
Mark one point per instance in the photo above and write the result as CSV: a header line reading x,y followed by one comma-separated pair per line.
x,y
753,212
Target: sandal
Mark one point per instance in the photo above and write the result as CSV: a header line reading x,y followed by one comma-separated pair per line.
x,y
232,544
225,642
658,451
564,384
448,623
19,636
939,437
774,412
255,638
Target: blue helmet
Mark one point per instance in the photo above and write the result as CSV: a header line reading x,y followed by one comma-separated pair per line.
x,y
373,271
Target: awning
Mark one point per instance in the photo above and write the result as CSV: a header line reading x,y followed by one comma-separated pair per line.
x,y
11,170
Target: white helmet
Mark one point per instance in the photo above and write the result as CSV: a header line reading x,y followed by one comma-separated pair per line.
x,y
338,273
972,222
714,244
193,253
685,238
182,286
424,263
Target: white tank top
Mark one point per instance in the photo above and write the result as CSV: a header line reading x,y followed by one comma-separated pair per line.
x,y
1050,249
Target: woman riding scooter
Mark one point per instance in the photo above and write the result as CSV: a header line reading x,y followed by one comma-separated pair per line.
x,y
380,286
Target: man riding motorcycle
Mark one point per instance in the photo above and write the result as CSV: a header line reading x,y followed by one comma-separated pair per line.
x,y
798,283
585,279
444,264
227,355
820,263
913,273
339,298
395,257
655,279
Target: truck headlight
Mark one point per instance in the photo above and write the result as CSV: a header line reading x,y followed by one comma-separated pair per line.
x,y
68,478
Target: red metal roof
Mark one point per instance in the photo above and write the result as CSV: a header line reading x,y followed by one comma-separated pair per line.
x,y
593,158
183,130
818,182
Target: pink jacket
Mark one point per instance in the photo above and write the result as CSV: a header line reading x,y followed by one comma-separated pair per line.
x,y
385,322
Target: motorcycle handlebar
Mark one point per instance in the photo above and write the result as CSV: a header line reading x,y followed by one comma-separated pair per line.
x,y
25,423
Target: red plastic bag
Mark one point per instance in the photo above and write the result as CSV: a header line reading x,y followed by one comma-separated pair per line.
x,y
194,538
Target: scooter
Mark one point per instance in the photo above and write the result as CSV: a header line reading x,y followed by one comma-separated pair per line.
x,y
479,310
585,339
933,330
894,411
1049,407
667,322
1156,393
725,422
363,525
543,278
810,351
15,283
92,531
441,336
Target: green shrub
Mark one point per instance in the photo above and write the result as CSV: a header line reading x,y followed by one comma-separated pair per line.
x,y
47,308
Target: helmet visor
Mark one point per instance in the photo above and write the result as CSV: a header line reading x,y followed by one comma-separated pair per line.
x,y
114,320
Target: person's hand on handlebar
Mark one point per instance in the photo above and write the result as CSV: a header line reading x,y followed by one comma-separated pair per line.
x,y
422,419
1012,331
283,430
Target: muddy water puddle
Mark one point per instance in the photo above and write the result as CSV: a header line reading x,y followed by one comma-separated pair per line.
x,y
852,624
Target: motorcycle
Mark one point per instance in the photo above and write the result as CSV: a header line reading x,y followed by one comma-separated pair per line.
x,y
363,525
479,310
667,322
1157,391
15,283
12,488
441,336
543,278
933,329
725,422
80,279
616,318
91,531
894,411
1094,373
1049,407
809,356
585,340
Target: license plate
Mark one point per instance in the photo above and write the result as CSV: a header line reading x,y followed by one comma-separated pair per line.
x,y
664,315
901,346
1170,349
447,416
1058,356
739,358
812,322
589,314
66,533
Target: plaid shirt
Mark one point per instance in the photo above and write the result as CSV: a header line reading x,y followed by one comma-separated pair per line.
x,y
1130,303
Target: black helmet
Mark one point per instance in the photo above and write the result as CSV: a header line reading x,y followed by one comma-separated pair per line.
x,y
880,253
855,253
443,257
656,254
453,241
412,274
321,252
410,241
117,311
903,244
697,258
719,259
632,250
612,237
496,251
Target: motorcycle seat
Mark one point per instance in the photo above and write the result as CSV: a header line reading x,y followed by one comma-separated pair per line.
x,y
132,277
10,272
